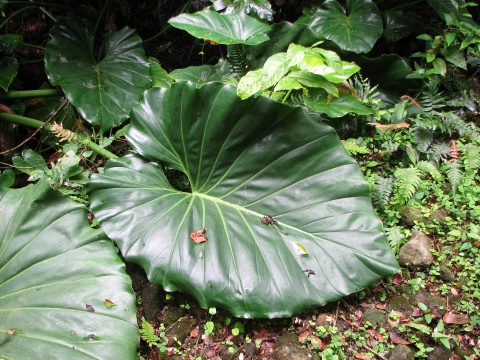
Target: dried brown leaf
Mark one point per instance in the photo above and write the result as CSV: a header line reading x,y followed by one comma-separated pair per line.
x,y
397,339
451,318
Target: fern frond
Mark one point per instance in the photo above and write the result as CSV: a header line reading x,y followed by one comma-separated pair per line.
x,y
63,134
390,146
432,101
470,157
408,181
454,174
147,333
423,138
354,148
395,238
438,151
236,56
431,168
382,190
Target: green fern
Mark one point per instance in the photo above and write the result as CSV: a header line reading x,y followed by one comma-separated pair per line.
x,y
353,147
438,151
454,173
382,190
470,157
147,333
395,238
431,168
408,181
237,59
431,101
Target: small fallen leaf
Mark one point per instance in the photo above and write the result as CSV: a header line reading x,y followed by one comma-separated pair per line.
x,y
316,342
300,248
198,237
417,312
90,307
451,318
11,331
194,332
362,356
109,303
381,306
302,338
454,291
397,339
387,127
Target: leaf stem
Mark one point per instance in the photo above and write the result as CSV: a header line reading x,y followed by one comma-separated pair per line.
x,y
100,19
15,14
26,94
34,46
167,27
286,96
22,120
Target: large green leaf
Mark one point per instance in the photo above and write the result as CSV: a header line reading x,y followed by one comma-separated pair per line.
x,y
245,160
356,30
55,275
236,28
9,44
452,11
102,90
261,8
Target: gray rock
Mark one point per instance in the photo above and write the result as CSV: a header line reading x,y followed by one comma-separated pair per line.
x,y
402,304
375,317
288,348
446,274
402,352
416,252
440,353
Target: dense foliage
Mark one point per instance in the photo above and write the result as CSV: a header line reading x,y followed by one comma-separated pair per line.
x,y
247,179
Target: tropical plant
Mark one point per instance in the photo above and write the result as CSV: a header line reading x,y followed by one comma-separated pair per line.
x,y
242,228
63,288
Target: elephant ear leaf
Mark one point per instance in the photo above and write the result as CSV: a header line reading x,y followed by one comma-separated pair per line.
x,y
56,274
103,90
278,219
236,28
356,30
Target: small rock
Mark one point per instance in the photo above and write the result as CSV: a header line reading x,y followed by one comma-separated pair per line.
x,y
446,274
440,353
416,252
402,304
375,317
171,315
324,320
436,304
410,214
288,348
180,330
402,352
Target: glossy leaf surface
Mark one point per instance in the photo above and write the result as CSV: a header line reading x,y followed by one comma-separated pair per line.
x,y
9,44
246,161
103,90
55,274
356,28
197,74
262,9
236,28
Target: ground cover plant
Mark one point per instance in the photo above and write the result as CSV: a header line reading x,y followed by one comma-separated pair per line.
x,y
245,178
